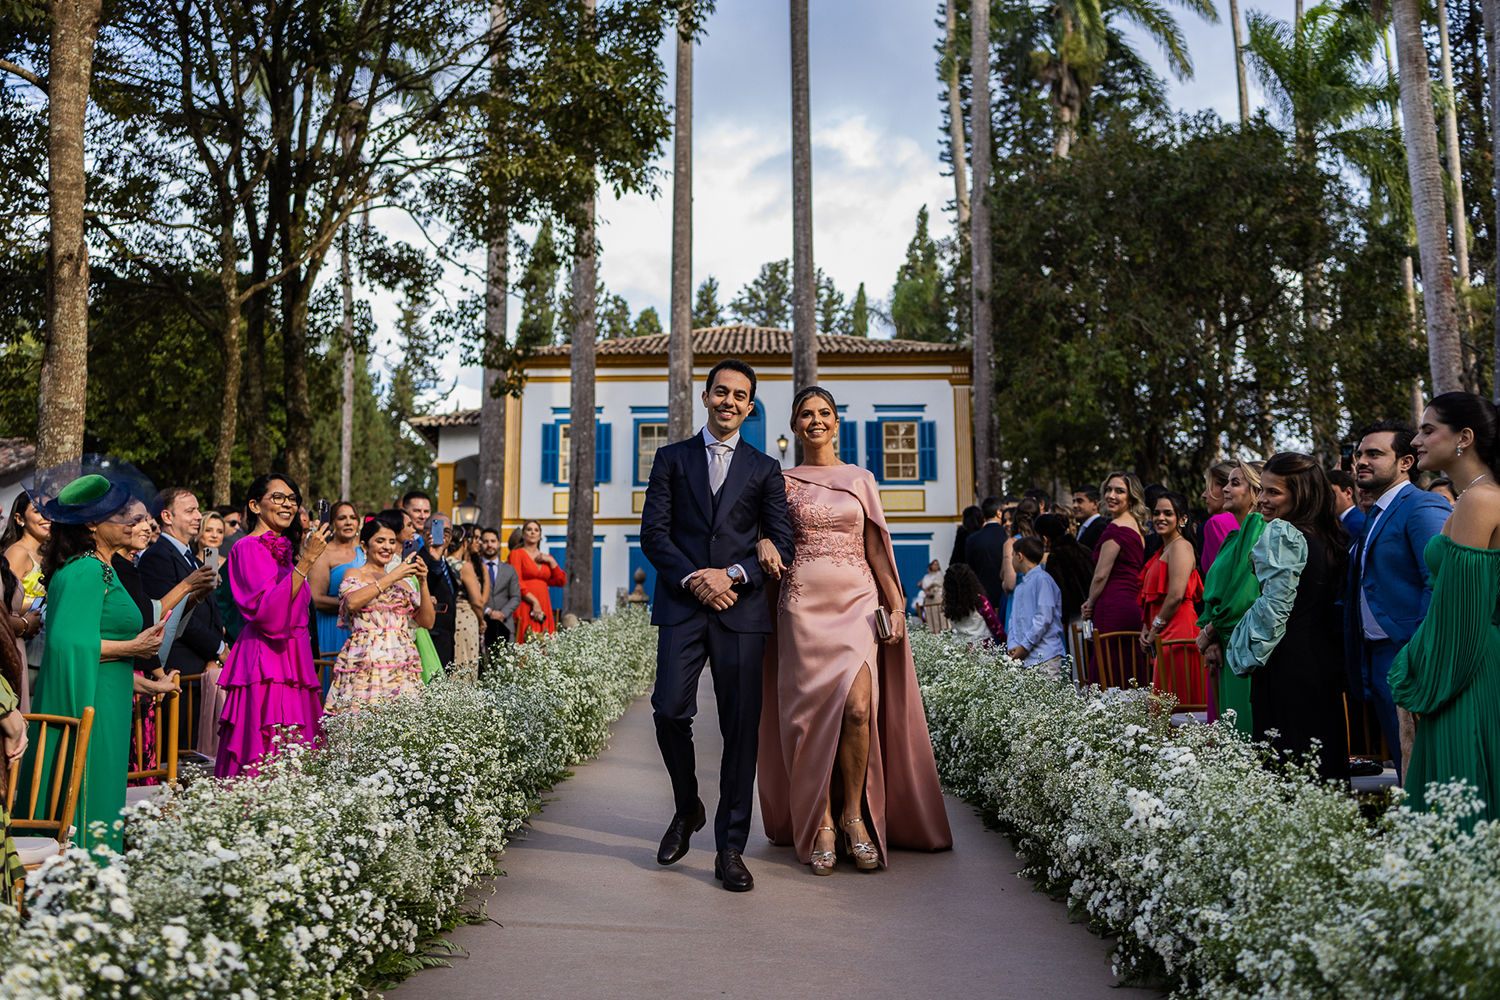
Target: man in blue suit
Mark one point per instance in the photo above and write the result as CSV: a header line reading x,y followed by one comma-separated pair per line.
x,y
1388,586
1345,502
709,500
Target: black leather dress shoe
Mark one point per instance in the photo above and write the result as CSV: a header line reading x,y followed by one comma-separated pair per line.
x,y
730,868
675,844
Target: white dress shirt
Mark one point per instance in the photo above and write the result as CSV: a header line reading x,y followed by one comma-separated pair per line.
x,y
1373,631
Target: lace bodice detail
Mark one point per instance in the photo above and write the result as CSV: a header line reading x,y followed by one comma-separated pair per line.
x,y
826,525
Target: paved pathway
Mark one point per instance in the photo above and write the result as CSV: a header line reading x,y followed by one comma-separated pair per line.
x,y
585,911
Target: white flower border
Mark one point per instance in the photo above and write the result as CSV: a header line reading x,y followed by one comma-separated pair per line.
x,y
327,872
1220,876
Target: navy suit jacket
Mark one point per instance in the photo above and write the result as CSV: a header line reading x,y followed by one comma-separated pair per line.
x,y
198,640
1353,522
681,533
985,554
1395,574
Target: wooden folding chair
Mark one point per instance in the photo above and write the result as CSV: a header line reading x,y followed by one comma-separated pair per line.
x,y
933,615
325,671
164,764
1179,672
187,720
1117,658
1078,648
51,813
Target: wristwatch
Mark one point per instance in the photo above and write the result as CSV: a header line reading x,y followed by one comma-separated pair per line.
x,y
736,574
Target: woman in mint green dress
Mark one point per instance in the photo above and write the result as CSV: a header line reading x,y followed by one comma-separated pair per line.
x,y
96,634
1449,674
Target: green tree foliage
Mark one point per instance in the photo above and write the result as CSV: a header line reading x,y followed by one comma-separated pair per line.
x,y
767,300
706,309
1150,310
859,314
922,306
538,288
647,324
833,315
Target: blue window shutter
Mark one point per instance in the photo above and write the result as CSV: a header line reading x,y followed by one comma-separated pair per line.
x,y
849,441
927,450
602,438
875,450
549,453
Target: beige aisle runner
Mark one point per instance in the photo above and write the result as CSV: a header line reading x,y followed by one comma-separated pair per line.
x,y
586,912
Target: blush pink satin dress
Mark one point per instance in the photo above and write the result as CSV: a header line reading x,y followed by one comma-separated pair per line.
x,y
823,632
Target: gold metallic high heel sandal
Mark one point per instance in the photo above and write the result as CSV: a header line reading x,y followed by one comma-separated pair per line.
x,y
866,858
822,861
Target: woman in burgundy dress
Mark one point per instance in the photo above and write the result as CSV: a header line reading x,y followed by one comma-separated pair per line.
x,y
845,757
1113,604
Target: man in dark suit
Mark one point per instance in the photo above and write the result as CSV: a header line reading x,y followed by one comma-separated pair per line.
x,y
1389,589
709,499
505,589
985,553
166,563
1344,506
441,583
1086,512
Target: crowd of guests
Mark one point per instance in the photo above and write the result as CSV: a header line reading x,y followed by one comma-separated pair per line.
x,y
115,593
1293,596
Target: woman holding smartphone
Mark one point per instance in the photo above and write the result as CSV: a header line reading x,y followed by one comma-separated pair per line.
x,y
380,607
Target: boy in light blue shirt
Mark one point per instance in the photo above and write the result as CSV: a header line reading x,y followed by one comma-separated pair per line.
x,y
1034,626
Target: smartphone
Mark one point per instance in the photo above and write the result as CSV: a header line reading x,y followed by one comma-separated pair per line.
x,y
212,562
411,548
437,533
325,513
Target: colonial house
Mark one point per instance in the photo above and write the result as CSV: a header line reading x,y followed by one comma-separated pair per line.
x,y
904,414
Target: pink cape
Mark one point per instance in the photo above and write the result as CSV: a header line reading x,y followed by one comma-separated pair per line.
x,y
903,796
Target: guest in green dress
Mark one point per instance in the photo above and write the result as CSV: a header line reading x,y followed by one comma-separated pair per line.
x,y
96,635
1229,589
1449,674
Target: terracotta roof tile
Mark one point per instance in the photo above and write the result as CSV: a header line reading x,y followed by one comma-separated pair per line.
x,y
755,341
16,455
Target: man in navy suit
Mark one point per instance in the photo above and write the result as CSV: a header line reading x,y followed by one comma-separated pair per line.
x,y
1345,507
1388,585
985,553
709,500
167,562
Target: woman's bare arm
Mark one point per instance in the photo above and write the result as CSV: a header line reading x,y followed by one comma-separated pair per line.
x,y
885,579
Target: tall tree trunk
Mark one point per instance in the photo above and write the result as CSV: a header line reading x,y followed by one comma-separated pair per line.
x,y
346,421
491,493
680,341
1239,61
579,596
979,250
1409,284
229,282
1492,53
804,291
956,144
257,422
294,377
1455,164
1428,204
62,393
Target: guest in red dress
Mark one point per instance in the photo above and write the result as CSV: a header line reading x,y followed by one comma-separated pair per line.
x,y
1170,592
537,571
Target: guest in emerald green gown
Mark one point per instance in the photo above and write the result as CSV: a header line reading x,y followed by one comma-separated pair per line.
x,y
1449,674
97,632
1229,589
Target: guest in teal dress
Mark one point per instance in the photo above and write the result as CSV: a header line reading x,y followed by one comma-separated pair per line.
x,y
343,554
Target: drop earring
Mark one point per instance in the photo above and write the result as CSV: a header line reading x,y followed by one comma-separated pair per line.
x,y
1460,449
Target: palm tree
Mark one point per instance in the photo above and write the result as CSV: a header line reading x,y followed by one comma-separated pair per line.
x,y
1425,173
956,147
491,493
981,277
1239,61
1082,42
680,340
1450,137
804,275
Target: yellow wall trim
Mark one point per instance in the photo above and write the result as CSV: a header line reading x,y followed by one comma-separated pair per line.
x,y
511,506
637,501
963,444
903,499
560,503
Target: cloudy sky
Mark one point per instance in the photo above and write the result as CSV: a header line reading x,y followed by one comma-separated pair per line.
x,y
876,143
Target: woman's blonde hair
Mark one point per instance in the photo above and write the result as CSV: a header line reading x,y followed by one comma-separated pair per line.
x,y
1135,491
212,515
1251,472
1220,471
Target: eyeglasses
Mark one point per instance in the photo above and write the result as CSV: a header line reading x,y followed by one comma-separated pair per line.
x,y
282,499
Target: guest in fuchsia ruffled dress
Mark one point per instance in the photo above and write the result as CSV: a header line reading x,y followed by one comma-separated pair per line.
x,y
269,679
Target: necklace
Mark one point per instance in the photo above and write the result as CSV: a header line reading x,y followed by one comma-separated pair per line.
x,y
1472,482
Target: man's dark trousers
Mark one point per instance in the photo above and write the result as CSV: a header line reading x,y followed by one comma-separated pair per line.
x,y
735,659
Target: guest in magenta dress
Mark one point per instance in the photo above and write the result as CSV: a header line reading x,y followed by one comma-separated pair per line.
x,y
845,756
269,679
1113,604
1214,532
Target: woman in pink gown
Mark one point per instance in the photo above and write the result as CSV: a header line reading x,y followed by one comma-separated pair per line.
x,y
842,726
269,679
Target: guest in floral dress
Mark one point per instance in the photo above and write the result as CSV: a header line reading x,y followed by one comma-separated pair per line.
x,y
380,609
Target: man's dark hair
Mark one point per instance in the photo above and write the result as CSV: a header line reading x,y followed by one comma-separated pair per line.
x,y
411,495
1401,435
733,365
166,498
990,507
1043,500
224,510
489,531
1154,493
1032,548
1339,479
1089,493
